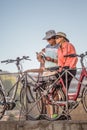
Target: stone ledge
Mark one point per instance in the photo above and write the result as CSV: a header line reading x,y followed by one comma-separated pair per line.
x,y
43,125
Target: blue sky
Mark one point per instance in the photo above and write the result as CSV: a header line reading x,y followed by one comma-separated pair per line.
x,y
23,24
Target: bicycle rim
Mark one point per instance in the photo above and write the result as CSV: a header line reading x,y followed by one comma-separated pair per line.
x,y
2,104
30,93
26,94
22,98
34,108
84,99
60,108
31,108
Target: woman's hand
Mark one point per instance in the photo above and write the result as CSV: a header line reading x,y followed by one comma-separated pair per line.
x,y
48,58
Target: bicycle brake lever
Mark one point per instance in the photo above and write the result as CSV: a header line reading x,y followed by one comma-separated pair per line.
x,y
26,57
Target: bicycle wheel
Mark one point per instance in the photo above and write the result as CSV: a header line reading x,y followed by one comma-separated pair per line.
x,y
2,104
27,93
84,99
60,107
32,108
30,92
23,98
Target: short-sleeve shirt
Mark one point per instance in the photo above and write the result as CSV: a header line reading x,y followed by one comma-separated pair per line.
x,y
51,51
67,48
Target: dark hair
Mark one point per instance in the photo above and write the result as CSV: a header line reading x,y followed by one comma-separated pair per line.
x,y
66,39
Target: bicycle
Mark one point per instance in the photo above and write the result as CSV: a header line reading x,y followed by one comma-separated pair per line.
x,y
7,101
67,101
40,90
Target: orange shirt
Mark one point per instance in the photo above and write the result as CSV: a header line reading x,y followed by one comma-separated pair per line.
x,y
65,49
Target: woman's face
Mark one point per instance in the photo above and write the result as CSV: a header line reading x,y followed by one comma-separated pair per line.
x,y
59,39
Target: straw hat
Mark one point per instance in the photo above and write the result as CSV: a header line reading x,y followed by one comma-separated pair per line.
x,y
62,34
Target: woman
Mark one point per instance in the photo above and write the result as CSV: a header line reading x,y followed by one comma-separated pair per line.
x,y
66,48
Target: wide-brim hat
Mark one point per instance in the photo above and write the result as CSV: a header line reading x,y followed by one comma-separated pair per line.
x,y
49,34
62,34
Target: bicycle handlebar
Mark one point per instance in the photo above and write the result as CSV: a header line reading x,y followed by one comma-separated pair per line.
x,y
71,55
76,55
18,59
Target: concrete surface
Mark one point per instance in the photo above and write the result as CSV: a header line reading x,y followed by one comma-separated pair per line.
x,y
78,122
43,125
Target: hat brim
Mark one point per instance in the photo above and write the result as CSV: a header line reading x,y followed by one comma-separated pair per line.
x,y
63,37
46,38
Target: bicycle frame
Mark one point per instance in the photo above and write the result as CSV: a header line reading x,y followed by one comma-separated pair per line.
x,y
21,76
75,95
15,87
69,96
63,105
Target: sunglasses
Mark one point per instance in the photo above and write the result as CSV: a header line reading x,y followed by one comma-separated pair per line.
x,y
57,37
51,38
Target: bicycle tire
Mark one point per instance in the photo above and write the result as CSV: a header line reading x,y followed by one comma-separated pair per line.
x,y
84,99
61,108
2,104
23,98
31,108
29,94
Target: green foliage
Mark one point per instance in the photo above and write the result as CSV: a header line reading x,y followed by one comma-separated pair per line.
x,y
8,81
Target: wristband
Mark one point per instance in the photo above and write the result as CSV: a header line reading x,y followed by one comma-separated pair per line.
x,y
52,60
